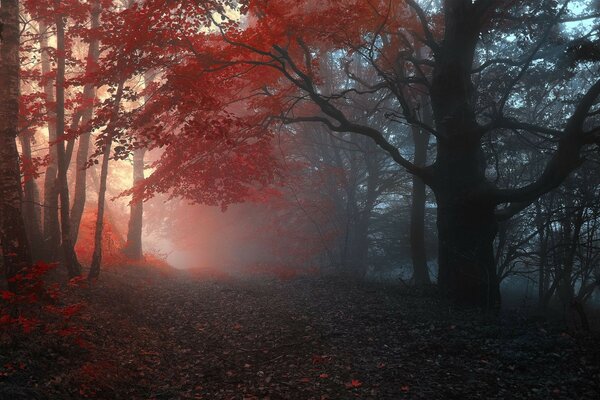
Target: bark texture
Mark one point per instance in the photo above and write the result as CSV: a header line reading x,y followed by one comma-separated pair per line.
x,y
31,210
13,237
466,209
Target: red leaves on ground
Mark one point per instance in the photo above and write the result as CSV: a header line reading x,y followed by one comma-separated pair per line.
x,y
354,384
319,359
34,304
6,295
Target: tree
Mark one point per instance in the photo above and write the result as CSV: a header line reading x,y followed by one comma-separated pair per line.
x,y
85,116
13,238
69,256
31,211
51,219
133,248
106,140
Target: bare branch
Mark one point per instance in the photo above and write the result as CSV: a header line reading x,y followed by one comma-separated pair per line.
x,y
531,57
431,42
565,159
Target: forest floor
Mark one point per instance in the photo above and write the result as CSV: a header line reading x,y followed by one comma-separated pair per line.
x,y
156,336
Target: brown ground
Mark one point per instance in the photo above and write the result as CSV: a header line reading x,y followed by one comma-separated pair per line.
x,y
172,337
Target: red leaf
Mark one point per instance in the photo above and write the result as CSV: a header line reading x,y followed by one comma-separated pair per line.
x,y
354,384
7,295
71,310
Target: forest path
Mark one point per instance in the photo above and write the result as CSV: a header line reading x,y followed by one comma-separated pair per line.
x,y
180,338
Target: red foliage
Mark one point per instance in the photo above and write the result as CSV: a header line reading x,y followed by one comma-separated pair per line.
x,y
31,167
354,384
112,240
34,305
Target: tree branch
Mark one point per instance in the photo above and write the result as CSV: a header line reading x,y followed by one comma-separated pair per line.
x,y
433,45
563,162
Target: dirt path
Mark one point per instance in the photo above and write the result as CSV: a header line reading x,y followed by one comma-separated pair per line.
x,y
301,339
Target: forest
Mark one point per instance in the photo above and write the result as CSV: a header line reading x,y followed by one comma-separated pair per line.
x,y
299,199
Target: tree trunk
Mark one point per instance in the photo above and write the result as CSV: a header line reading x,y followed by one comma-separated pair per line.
x,y
133,249
356,248
417,212
13,237
467,270
466,204
543,256
51,224
97,255
89,96
31,212
69,256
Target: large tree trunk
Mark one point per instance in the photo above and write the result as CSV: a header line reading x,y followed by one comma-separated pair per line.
x,y
31,211
69,256
466,232
13,236
133,248
466,218
97,255
51,224
467,225
89,96
417,212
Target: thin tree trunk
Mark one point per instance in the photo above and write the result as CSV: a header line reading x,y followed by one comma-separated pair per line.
x,y
359,248
97,255
69,256
133,249
51,224
13,237
31,212
417,214
89,96
543,256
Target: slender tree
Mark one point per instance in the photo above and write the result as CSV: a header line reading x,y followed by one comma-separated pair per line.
x,y
83,150
418,250
69,257
133,248
50,210
106,141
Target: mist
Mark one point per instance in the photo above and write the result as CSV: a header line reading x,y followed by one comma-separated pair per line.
x,y
292,199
